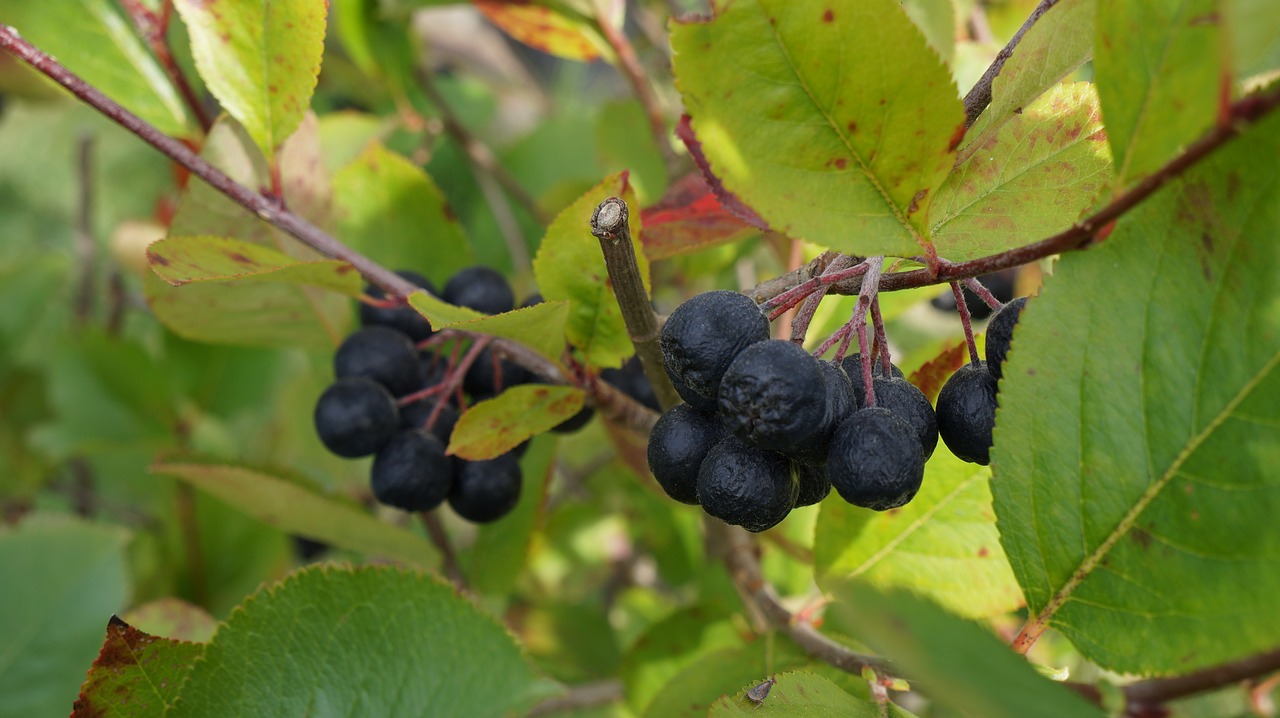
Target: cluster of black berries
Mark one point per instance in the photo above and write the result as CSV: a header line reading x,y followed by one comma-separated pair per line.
x,y
967,402
767,427
390,399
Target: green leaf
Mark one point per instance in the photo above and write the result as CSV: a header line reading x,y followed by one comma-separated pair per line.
x,y
943,544
95,40
540,327
502,548
1254,28
389,209
1028,178
375,641
800,695
136,675
570,266
1159,74
440,313
498,425
835,123
956,663
181,260
1138,431
65,578
1058,43
669,648
937,20
286,504
260,59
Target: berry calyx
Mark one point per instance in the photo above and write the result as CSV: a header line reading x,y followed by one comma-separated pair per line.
x,y
480,288
679,442
703,336
773,395
485,491
355,417
875,460
411,472
746,486
967,413
1000,334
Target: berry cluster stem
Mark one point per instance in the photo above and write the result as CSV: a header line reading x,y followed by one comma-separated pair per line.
x,y
840,269
882,339
980,289
963,308
866,297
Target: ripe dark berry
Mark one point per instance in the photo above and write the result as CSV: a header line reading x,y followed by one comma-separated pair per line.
x,y
489,375
415,415
485,491
746,486
852,366
875,460
679,442
904,399
840,403
967,413
355,417
1000,333
703,336
631,380
773,396
575,422
411,472
481,289
383,355
405,319
813,483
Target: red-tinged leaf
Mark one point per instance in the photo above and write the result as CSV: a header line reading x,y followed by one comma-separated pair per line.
x,y
180,260
690,218
728,200
136,675
500,424
543,29
930,377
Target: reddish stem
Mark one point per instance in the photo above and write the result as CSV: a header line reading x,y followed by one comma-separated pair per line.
x,y
963,308
978,288
882,339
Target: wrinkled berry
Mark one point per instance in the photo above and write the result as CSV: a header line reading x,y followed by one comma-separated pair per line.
x,y
679,442
703,336
1000,334
746,486
875,460
967,413
904,399
773,396
813,483
839,404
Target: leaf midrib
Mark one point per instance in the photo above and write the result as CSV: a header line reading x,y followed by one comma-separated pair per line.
x,y
862,163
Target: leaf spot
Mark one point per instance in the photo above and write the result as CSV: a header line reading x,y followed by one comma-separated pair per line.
x,y
828,16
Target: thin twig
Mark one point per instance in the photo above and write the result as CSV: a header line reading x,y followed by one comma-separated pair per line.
x,y
980,289
630,67
614,405
980,96
609,224
452,569
882,340
1154,692
744,570
483,158
86,247
962,307
586,695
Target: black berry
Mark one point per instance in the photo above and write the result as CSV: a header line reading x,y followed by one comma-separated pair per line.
x,y
703,336
773,395
904,399
404,319
415,415
485,491
678,443
852,366
1000,333
383,355
967,413
355,417
411,472
631,380
746,486
839,404
813,483
481,289
875,460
